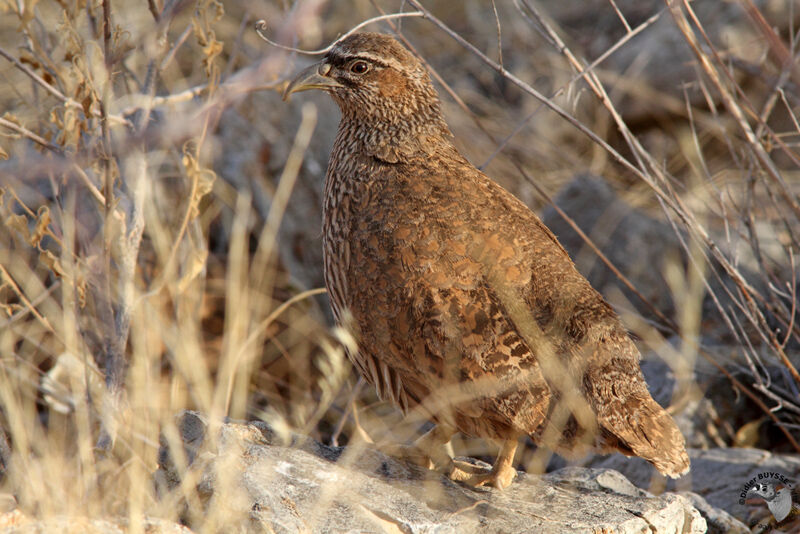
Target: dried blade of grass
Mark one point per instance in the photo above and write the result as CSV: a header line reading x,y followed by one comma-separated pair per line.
x,y
269,234
262,327
291,171
499,34
350,406
730,102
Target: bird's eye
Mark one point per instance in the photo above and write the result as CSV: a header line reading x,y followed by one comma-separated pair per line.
x,y
359,67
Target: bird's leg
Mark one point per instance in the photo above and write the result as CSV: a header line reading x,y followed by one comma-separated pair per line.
x,y
500,476
428,450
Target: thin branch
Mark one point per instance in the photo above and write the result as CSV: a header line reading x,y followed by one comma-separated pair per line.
x,y
107,33
793,313
151,6
620,15
30,135
28,309
261,27
730,103
55,92
582,72
172,51
38,79
39,317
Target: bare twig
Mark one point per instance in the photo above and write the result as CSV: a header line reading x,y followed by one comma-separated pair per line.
x,y
582,72
151,6
621,16
261,27
4,274
730,103
107,32
30,135
38,79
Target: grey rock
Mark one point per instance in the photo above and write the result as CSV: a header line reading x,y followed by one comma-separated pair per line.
x,y
299,485
637,244
718,521
659,57
718,475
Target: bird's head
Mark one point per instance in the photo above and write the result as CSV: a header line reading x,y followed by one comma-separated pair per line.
x,y
765,491
373,78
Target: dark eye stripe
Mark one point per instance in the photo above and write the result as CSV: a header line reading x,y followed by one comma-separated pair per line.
x,y
338,60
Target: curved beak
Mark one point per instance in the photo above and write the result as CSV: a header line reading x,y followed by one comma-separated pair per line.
x,y
313,77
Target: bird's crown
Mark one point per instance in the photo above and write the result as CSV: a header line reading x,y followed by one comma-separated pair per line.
x,y
376,47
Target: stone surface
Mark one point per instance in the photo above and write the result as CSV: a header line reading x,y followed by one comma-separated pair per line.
x,y
299,485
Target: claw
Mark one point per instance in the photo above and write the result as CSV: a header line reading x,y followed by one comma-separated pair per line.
x,y
499,476
428,452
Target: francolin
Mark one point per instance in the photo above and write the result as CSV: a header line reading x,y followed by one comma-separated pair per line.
x,y
464,303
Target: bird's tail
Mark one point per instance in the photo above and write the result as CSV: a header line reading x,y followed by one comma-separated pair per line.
x,y
638,425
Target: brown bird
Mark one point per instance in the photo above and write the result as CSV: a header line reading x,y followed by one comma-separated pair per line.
x,y
463,302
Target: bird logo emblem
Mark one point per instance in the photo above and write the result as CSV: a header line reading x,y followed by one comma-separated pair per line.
x,y
778,498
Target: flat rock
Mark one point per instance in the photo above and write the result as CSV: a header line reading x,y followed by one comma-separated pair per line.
x,y
299,485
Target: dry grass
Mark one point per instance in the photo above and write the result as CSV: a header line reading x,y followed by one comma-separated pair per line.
x,y
152,260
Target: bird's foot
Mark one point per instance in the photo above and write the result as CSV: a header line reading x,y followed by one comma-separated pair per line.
x,y
500,476
412,454
429,451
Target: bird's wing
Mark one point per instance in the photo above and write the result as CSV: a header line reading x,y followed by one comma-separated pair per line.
x,y
420,277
